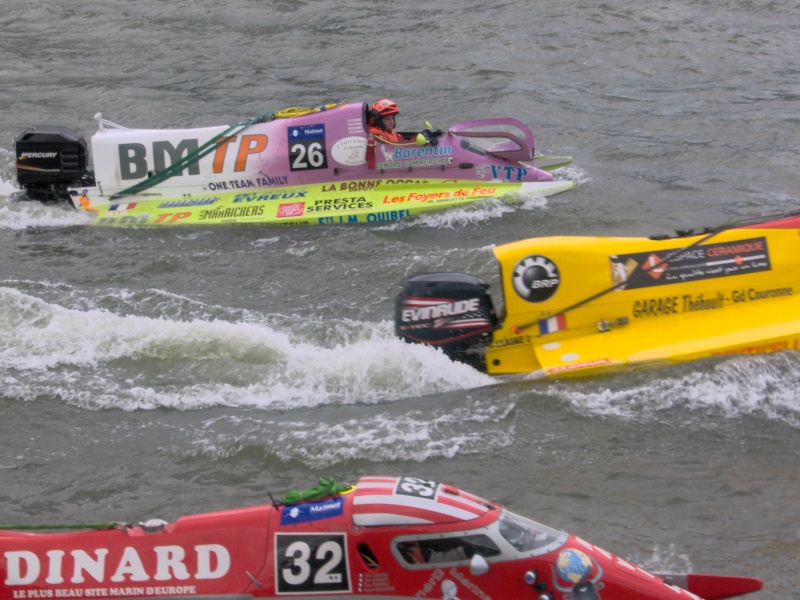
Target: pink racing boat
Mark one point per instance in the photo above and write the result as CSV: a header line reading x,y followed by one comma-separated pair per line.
x,y
294,167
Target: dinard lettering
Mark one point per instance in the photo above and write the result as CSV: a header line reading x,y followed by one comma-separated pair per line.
x,y
23,567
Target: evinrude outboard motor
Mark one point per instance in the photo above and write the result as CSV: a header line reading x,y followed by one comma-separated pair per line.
x,y
49,160
452,311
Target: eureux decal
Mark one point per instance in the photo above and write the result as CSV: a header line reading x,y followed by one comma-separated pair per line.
x,y
307,149
535,278
309,563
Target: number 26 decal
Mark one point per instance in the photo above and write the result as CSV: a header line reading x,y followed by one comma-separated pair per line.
x,y
311,563
307,156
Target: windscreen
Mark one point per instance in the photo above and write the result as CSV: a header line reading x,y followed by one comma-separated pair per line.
x,y
528,536
493,138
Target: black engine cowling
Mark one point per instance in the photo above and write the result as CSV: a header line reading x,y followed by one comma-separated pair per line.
x,y
452,311
49,160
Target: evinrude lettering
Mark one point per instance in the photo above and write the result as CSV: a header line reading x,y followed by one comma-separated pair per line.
x,y
24,567
445,309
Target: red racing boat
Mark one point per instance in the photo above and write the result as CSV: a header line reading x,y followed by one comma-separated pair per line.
x,y
386,537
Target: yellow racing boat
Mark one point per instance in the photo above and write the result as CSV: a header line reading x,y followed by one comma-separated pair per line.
x,y
577,306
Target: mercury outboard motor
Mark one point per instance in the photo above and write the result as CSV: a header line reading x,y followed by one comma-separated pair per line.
x,y
49,160
452,311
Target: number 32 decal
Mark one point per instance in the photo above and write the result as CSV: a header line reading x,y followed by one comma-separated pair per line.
x,y
310,562
411,486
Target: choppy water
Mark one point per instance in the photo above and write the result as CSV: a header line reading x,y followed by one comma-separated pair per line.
x,y
155,373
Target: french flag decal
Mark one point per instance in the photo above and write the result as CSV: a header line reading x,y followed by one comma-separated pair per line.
x,y
553,324
115,207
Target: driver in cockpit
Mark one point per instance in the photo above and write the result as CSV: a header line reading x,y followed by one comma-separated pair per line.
x,y
382,121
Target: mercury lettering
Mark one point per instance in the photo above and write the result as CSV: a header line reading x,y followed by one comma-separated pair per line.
x,y
24,567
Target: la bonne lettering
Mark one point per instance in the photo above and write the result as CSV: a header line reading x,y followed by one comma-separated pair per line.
x,y
133,156
24,567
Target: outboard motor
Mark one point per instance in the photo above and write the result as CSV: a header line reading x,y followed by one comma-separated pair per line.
x,y
49,160
452,311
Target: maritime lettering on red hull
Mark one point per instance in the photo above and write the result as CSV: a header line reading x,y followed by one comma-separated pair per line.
x,y
25,567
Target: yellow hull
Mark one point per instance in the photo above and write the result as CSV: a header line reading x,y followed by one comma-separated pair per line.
x,y
576,306
334,203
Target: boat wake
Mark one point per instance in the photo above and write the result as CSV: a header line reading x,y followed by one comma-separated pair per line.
x,y
319,441
731,387
19,215
201,357
489,209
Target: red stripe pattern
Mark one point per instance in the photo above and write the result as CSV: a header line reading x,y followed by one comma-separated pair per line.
x,y
411,501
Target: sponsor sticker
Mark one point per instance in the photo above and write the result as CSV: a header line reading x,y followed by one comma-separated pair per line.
x,y
312,511
350,151
535,278
680,265
293,209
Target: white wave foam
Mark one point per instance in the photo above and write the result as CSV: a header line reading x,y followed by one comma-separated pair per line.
x,y
22,214
572,173
418,435
98,359
733,387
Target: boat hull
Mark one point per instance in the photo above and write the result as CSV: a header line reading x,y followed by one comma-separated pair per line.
x,y
371,201
576,306
386,537
298,167
634,302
